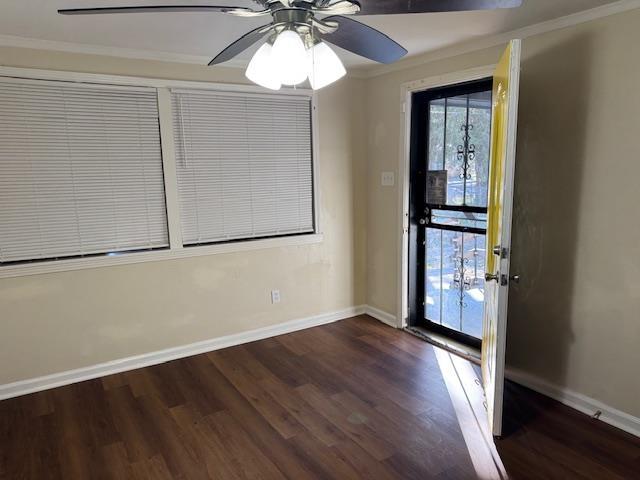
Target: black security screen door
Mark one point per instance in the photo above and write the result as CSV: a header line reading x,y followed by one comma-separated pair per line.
x,y
451,132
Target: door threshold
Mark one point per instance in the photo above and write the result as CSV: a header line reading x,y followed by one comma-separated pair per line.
x,y
452,346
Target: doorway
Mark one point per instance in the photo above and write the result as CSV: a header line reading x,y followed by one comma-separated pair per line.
x,y
449,177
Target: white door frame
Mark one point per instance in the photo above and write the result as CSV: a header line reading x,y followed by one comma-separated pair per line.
x,y
406,91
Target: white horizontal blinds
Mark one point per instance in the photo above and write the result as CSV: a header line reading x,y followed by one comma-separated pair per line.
x,y
244,165
80,170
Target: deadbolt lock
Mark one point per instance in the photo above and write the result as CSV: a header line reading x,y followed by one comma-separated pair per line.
x,y
501,252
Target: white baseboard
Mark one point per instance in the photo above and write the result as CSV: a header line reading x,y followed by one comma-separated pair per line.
x,y
383,316
37,384
575,400
578,401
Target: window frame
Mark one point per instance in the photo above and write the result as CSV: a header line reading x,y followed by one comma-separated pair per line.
x,y
176,249
203,94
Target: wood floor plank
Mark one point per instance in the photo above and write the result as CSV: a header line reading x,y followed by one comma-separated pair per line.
x,y
115,461
154,468
135,429
114,381
350,400
177,448
324,461
43,462
350,424
315,372
363,462
305,414
368,381
191,388
429,452
262,433
216,455
247,384
76,443
94,413
251,460
292,342
280,363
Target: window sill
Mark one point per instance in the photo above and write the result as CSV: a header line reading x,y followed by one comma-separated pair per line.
x,y
159,255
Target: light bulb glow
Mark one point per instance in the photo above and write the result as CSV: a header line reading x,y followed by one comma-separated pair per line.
x,y
324,66
261,69
290,58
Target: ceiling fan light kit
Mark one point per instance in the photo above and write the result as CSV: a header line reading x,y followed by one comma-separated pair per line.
x,y
289,58
261,69
289,62
296,49
325,66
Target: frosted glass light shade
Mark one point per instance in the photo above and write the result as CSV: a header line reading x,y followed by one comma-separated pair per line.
x,y
290,58
261,69
324,66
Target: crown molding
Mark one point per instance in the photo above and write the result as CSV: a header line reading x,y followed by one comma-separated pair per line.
x,y
362,72
499,39
121,52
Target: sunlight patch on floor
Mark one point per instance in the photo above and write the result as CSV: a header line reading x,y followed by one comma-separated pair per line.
x,y
467,398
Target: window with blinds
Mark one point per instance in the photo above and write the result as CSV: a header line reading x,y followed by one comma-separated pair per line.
x,y
244,165
80,170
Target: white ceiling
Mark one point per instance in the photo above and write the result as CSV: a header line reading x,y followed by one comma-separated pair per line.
x,y
205,34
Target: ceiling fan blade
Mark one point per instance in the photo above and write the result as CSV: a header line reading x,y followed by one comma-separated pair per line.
x,y
156,8
363,40
389,7
241,44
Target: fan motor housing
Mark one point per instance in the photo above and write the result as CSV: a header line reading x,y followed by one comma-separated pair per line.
x,y
295,16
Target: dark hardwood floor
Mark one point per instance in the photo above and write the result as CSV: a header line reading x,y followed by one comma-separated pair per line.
x,y
354,399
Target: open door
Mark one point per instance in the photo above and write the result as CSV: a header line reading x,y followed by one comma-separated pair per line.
x,y
501,174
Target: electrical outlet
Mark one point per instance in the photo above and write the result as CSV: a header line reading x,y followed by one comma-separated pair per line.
x,y
388,179
275,296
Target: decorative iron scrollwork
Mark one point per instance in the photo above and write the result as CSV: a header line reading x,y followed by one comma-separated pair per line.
x,y
465,276
466,151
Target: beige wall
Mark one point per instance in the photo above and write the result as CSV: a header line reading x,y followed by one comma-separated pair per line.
x,y
574,320
55,322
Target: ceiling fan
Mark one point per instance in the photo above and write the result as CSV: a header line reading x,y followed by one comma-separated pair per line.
x,y
295,49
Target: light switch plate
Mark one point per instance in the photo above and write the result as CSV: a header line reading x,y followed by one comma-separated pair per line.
x,y
388,179
275,296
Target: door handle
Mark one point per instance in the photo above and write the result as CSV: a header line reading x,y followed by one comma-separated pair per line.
x,y
491,277
496,277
